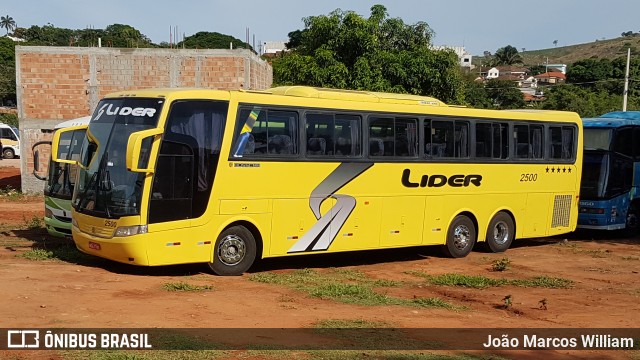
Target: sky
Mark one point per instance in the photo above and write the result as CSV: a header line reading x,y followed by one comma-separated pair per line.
x,y
479,26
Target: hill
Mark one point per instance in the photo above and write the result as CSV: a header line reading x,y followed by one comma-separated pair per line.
x,y
610,49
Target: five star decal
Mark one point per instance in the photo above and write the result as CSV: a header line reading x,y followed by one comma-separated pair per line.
x,y
558,169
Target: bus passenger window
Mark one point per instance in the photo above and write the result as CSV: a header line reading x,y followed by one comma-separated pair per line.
x,y
536,140
381,140
483,140
347,135
442,139
521,136
274,132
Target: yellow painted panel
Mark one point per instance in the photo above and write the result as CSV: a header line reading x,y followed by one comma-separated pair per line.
x,y
362,229
402,221
231,207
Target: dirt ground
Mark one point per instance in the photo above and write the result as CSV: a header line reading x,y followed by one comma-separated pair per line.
x,y
86,293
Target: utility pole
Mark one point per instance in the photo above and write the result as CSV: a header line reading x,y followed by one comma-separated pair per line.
x,y
626,82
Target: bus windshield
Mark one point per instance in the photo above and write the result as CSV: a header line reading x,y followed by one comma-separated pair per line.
x,y
594,175
62,177
605,175
105,187
597,138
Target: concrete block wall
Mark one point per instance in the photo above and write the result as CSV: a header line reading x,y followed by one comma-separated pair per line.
x,y
55,84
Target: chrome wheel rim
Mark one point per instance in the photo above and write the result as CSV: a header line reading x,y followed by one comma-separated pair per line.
x,y
231,250
501,233
461,237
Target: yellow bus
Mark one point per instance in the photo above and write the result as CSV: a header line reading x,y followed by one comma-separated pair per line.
x,y
172,176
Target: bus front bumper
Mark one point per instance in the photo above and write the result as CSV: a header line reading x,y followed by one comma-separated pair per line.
x,y
58,228
128,250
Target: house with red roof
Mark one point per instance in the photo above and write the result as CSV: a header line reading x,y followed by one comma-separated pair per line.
x,y
551,78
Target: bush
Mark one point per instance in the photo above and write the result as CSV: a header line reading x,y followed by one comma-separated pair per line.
x,y
9,119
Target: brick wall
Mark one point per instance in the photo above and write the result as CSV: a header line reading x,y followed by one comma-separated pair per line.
x,y
55,84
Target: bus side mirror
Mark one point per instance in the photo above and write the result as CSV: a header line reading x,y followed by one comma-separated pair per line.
x,y
36,159
135,147
66,135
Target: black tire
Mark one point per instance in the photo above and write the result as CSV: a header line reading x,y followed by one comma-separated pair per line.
x,y
632,223
461,237
8,153
500,233
234,252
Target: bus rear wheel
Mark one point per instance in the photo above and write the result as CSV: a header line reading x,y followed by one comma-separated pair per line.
x,y
461,237
500,233
234,252
8,153
631,223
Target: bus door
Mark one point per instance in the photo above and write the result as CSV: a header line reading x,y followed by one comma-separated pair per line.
x,y
183,179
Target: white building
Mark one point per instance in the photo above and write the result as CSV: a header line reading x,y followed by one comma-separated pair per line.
x,y
463,55
561,67
272,47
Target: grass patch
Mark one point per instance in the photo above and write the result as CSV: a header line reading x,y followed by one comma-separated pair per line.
x,y
353,294
351,324
393,355
143,355
501,264
58,250
183,286
345,286
434,302
544,282
481,282
35,223
630,258
37,254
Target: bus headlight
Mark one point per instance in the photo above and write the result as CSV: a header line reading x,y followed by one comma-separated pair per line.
x,y
130,230
74,223
48,213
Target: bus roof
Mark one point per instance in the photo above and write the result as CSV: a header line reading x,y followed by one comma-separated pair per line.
x,y
375,101
613,119
74,122
354,95
302,91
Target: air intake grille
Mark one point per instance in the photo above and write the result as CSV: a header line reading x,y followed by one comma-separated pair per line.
x,y
561,211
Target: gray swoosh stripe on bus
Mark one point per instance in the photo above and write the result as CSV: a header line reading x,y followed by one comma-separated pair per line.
x,y
323,233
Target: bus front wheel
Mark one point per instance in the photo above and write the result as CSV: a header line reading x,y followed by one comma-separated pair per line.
x,y
500,233
461,237
234,252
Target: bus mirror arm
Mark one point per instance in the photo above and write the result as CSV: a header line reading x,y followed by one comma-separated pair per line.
x,y
134,150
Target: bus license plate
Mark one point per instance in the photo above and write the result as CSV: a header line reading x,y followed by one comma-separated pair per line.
x,y
94,246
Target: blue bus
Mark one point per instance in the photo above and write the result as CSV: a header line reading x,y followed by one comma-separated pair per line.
x,y
609,196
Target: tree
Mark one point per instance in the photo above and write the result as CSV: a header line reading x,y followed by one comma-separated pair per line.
x,y
627,33
344,50
555,42
119,35
7,70
211,40
589,72
507,55
504,94
475,95
537,70
295,39
8,23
